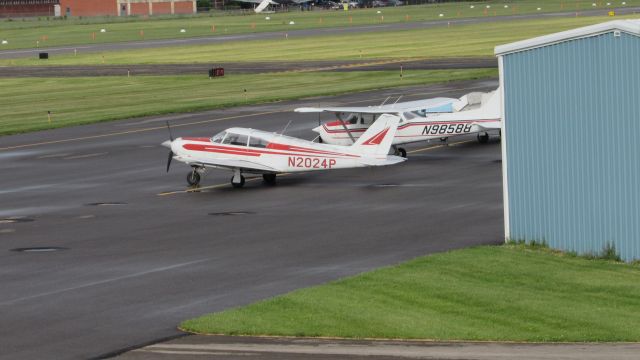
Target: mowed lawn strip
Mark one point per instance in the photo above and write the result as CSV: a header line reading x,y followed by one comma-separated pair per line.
x,y
24,102
23,33
501,293
456,41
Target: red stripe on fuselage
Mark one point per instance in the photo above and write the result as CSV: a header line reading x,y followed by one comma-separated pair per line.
x,y
407,125
256,152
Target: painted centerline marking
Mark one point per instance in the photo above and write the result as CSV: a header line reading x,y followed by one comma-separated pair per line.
x,y
54,156
85,156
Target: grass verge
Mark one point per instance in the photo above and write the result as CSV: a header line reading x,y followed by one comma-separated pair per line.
x,y
511,292
454,41
24,102
24,33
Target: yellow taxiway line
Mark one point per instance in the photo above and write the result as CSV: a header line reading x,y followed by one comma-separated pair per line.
x,y
197,189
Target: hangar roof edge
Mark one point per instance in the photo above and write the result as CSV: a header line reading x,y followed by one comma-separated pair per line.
x,y
628,26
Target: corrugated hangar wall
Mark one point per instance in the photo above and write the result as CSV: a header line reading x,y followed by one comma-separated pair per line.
x,y
572,124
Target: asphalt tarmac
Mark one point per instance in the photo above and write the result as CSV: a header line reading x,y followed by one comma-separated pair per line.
x,y
124,253
248,67
21,53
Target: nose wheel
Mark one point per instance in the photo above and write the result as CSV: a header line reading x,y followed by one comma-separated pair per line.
x,y
193,178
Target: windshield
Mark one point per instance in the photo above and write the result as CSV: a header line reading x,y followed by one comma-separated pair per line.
x,y
217,138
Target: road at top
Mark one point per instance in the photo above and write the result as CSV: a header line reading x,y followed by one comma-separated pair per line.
x,y
91,48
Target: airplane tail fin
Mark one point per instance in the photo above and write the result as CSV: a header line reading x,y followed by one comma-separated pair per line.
x,y
378,138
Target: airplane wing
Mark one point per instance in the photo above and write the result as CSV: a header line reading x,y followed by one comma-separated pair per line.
x,y
428,105
231,164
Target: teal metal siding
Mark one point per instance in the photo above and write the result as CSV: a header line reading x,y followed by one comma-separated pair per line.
x,y
572,117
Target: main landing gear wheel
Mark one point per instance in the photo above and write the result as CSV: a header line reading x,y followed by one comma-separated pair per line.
x,y
238,185
483,139
269,179
193,178
402,152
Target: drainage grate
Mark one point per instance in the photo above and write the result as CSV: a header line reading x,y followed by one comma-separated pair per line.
x,y
115,203
232,213
13,220
40,249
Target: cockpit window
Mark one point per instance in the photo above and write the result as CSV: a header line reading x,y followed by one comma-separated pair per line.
x,y
368,119
413,115
217,138
236,139
257,142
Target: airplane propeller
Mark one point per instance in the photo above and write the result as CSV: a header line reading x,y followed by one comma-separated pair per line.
x,y
169,145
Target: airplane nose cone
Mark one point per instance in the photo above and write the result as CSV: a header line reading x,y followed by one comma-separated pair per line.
x,y
167,144
317,129
176,145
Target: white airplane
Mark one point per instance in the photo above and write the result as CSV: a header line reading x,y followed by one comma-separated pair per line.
x,y
262,4
243,150
424,120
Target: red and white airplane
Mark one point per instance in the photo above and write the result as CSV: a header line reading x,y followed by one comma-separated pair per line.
x,y
438,118
243,150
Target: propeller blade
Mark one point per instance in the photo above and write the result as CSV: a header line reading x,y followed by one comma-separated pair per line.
x,y
169,128
169,160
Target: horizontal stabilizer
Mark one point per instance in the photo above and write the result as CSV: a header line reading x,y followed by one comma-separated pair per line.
x,y
390,160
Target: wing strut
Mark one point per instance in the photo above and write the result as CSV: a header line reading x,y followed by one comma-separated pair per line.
x,y
345,128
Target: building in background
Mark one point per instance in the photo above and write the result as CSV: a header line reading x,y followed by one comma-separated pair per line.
x,y
126,7
571,138
25,8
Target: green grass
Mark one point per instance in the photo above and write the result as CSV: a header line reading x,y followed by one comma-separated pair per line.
x,y
24,102
456,41
24,34
509,292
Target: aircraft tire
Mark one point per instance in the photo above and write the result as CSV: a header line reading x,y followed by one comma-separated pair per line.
x,y
269,179
402,152
483,139
193,178
238,185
